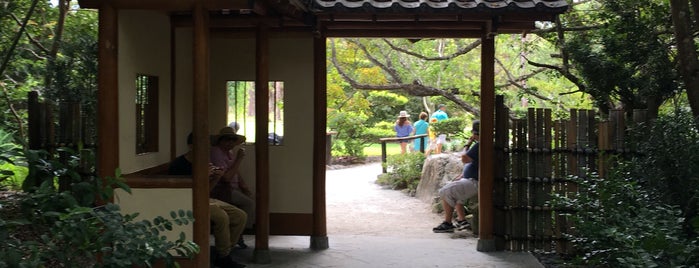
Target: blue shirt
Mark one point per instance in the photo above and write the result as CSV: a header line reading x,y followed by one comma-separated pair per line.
x,y
403,131
440,115
471,169
421,128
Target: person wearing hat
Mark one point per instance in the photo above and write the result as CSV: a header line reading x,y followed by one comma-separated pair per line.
x,y
228,221
231,188
464,187
440,115
403,128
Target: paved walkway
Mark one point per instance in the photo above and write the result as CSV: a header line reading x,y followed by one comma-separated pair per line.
x,y
373,227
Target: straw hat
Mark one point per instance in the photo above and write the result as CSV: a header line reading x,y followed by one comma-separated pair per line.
x,y
228,132
403,114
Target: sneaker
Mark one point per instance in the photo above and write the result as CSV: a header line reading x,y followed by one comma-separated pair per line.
x,y
228,262
462,225
241,243
445,227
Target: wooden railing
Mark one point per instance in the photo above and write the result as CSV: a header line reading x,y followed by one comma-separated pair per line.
x,y
396,139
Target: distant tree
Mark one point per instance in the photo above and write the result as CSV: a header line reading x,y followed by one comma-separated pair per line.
x,y
618,52
688,63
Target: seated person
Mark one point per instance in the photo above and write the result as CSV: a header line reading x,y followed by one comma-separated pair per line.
x,y
464,187
228,221
226,155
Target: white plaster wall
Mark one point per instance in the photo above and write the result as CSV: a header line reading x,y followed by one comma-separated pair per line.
x,y
144,48
150,203
291,60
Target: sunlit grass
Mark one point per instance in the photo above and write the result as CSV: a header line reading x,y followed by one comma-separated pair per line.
x,y
375,149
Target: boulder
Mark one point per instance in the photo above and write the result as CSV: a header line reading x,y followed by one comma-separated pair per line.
x,y
437,171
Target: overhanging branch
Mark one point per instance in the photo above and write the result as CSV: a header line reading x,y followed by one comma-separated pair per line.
x,y
460,52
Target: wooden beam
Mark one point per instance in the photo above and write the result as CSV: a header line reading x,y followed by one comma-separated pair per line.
x,y
485,152
380,33
261,253
200,125
403,25
169,5
319,239
108,92
238,22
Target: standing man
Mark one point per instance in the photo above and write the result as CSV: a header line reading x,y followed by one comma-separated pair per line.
x,y
440,115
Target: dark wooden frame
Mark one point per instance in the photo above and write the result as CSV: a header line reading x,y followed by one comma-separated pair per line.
x,y
197,15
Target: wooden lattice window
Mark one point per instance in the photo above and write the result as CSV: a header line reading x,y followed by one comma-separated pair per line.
x,y
241,109
146,114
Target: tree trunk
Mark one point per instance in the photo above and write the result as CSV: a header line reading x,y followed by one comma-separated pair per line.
x,y
687,54
63,7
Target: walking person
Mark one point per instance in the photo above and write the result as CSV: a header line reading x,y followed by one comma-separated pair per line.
x,y
440,115
403,128
421,127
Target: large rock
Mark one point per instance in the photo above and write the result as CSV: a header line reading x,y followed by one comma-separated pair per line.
x,y
436,172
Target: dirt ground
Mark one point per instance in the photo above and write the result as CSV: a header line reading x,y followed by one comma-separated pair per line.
x,y
358,206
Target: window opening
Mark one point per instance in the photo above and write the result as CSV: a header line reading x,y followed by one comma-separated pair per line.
x,y
146,114
241,109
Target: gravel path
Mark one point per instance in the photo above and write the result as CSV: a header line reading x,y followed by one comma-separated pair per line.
x,y
358,206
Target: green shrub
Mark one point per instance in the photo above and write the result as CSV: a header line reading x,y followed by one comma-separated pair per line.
x,y
453,127
404,171
618,223
80,236
668,162
11,174
52,227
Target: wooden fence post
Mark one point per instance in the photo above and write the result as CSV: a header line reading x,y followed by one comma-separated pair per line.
x,y
500,165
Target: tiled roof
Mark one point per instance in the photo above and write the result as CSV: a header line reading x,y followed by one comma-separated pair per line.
x,y
410,6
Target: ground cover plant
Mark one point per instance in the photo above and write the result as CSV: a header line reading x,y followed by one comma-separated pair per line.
x,y
643,214
54,226
404,171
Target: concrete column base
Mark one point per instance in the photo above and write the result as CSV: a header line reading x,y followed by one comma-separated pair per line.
x,y
486,245
319,242
261,256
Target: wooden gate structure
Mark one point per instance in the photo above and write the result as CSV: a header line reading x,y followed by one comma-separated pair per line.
x,y
535,159
69,130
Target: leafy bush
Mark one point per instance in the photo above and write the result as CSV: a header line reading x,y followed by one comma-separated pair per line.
x,y
404,171
379,130
80,236
643,214
50,227
11,175
618,223
452,127
350,129
668,162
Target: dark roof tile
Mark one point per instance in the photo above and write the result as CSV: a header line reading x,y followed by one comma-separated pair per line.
x,y
553,6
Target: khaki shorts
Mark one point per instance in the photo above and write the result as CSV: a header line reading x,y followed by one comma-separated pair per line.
x,y
442,138
457,192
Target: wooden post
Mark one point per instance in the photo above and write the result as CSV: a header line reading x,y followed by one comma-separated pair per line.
x,y
34,114
200,125
500,162
531,177
383,156
547,183
107,92
261,253
485,152
173,92
319,239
